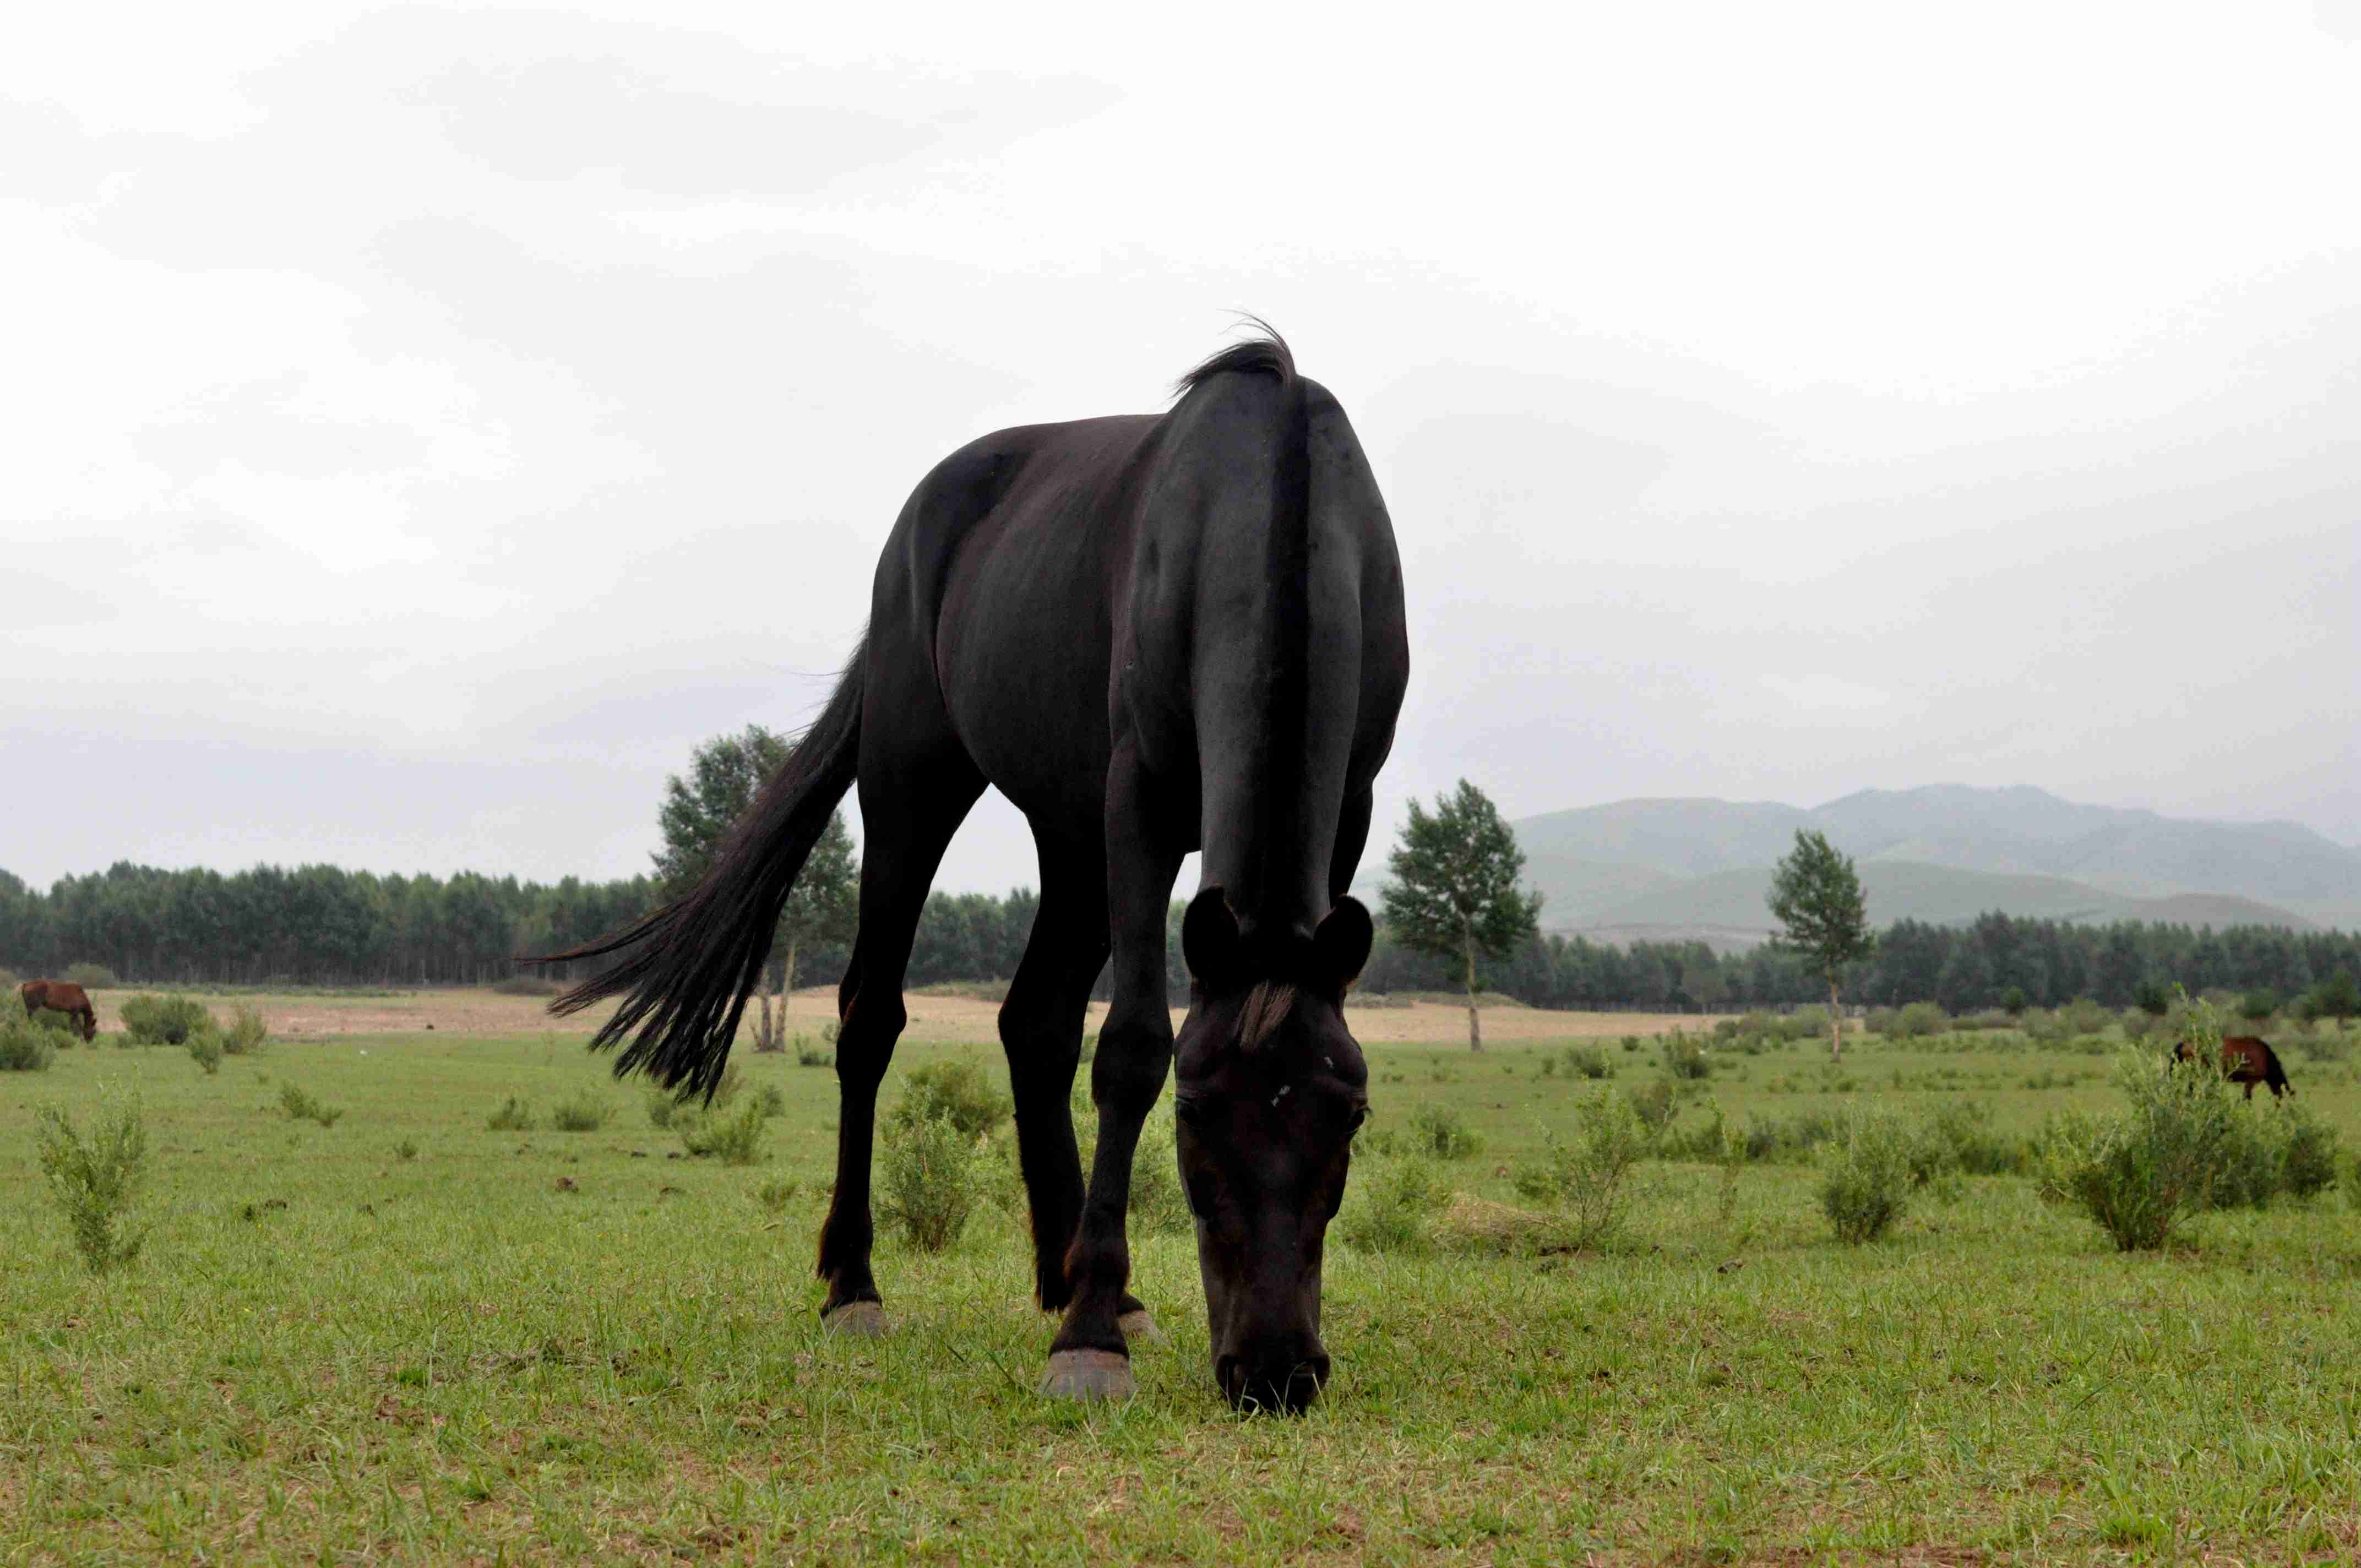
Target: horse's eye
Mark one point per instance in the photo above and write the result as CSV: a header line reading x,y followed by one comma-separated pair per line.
x,y
1361,1118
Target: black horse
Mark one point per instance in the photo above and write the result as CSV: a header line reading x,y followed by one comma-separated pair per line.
x,y
1153,634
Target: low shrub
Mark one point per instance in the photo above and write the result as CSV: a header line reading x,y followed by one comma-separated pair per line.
x,y
525,985
733,1139
1866,1176
661,1108
513,1117
406,1150
150,1020
1789,1137
772,1099
1584,1174
1685,1058
1914,1021
25,1046
247,1035
2140,1173
777,1193
2326,1046
808,1055
301,1105
91,977
1586,1062
585,1111
954,1091
205,1048
1393,1208
1959,1136
95,1184
1440,1132
1655,1104
926,1179
1158,1206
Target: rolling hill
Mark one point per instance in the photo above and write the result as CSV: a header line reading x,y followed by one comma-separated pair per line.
x,y
1947,852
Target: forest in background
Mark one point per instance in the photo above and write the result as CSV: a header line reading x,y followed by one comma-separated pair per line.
x,y
322,926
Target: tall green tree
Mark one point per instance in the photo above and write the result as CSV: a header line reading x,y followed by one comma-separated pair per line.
x,y
698,811
1816,897
1455,892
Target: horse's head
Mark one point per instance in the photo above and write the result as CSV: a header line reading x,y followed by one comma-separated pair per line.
x,y
1270,1088
90,1026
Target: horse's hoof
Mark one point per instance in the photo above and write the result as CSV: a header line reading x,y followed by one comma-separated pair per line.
x,y
1088,1375
1137,1324
857,1320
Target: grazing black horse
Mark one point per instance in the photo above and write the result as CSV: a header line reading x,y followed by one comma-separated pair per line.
x,y
1153,634
2246,1059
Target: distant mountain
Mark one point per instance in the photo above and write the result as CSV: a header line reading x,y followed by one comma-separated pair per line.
x,y
1945,852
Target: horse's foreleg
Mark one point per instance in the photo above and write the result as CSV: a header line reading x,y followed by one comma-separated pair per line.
x,y
1090,1357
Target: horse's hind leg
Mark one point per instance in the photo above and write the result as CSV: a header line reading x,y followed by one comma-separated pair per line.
x,y
908,821
1041,1030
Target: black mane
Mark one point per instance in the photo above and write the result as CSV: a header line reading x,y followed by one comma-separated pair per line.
x,y
1265,354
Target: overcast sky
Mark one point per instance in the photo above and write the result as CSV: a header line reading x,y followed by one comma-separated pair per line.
x,y
422,425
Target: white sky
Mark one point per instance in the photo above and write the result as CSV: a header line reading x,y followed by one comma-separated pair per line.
x,y
422,425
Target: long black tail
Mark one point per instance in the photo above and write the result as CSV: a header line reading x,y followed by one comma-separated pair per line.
x,y
694,963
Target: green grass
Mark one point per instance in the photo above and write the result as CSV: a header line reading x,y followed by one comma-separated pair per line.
x,y
452,1356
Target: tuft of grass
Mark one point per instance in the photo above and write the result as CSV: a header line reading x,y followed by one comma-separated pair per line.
x,y
735,1138
812,1055
777,1193
406,1150
1866,1176
1440,1132
927,1180
1585,1175
302,1105
247,1035
772,1099
513,1117
1393,1209
585,1111
205,1048
95,1183
661,1108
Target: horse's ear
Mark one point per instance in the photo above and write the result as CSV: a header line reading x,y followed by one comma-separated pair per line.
x,y
1209,938
1341,945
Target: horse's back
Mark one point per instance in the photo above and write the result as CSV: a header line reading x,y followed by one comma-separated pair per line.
x,y
54,995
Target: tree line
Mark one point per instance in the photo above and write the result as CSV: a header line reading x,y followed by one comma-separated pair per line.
x,y
324,926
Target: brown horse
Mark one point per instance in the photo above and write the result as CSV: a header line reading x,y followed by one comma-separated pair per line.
x,y
2244,1059
61,996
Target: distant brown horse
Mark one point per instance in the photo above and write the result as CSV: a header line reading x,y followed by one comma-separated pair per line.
x,y
61,996
2244,1059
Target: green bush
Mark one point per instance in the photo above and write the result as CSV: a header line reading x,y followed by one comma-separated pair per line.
x,y
91,977
954,1091
1958,1137
926,1179
1866,1176
812,1055
2140,1173
661,1108
1685,1058
772,1099
1655,1104
247,1035
585,1112
1585,1174
1441,1133
2326,1046
302,1106
25,1046
151,1020
2310,1154
1157,1204
95,1184
513,1117
1393,1208
1916,1020
1579,1061
733,1139
205,1047
2258,1005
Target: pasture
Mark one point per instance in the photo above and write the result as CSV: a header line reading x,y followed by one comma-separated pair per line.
x,y
541,1345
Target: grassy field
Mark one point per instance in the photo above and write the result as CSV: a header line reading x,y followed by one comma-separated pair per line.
x,y
547,1345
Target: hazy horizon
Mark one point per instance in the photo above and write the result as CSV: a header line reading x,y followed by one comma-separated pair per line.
x,y
429,425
